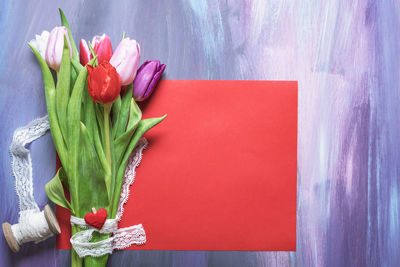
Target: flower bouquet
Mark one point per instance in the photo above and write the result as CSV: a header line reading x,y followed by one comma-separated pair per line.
x,y
95,126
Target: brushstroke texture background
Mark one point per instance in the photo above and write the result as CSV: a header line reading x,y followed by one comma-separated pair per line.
x,y
345,55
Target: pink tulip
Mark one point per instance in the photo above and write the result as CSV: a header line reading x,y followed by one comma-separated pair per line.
x,y
55,45
126,60
101,46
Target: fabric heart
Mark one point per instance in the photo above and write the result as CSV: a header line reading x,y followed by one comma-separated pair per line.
x,y
96,218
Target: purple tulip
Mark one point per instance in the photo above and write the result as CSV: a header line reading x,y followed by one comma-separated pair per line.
x,y
146,79
55,46
126,60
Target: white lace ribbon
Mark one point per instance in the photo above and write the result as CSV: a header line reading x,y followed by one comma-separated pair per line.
x,y
121,238
21,161
32,225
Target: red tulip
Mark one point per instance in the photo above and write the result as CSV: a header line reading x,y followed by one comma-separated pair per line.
x,y
104,83
101,46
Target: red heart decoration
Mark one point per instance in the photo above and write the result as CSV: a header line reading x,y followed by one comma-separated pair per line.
x,y
96,219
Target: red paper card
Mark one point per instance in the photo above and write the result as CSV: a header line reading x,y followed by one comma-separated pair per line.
x,y
219,172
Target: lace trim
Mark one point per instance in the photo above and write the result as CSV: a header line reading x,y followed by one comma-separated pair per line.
x,y
22,163
128,236
121,239
83,247
32,224
129,177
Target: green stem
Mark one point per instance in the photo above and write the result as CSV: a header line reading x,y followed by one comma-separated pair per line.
x,y
76,261
107,109
97,261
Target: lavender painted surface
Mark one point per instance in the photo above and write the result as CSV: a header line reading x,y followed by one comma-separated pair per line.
x,y
345,55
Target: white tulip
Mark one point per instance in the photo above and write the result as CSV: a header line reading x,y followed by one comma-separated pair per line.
x,y
40,43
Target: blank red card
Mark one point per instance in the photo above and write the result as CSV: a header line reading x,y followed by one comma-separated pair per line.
x,y
219,172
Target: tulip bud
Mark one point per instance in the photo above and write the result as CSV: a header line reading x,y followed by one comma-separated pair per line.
x,y
55,46
101,46
104,83
146,79
84,52
40,43
126,60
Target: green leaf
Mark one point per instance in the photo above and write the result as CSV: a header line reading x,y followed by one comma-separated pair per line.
x,y
135,115
116,108
120,145
74,111
100,120
92,61
64,22
96,62
74,75
98,144
63,88
88,113
74,114
55,190
122,121
76,65
92,187
50,93
144,126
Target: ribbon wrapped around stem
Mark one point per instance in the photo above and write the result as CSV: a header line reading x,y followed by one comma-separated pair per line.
x,y
120,239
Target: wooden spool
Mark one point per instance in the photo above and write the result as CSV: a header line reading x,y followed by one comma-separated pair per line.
x,y
8,234
50,219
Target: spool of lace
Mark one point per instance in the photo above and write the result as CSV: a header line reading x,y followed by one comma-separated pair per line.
x,y
33,224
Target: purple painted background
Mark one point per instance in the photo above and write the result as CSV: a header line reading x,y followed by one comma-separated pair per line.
x,y
345,55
